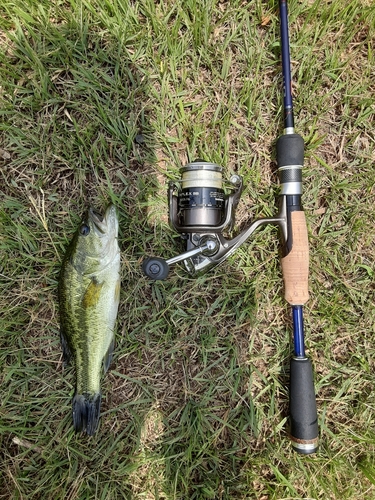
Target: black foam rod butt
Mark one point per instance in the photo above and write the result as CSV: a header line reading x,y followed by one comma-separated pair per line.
x,y
290,150
303,414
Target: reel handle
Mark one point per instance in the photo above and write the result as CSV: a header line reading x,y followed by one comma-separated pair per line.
x,y
158,269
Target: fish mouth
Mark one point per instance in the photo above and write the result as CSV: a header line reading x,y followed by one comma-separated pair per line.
x,y
101,223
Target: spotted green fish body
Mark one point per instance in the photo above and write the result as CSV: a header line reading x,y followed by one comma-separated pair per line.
x,y
89,291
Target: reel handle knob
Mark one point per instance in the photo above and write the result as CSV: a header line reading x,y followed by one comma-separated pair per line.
x,y
155,268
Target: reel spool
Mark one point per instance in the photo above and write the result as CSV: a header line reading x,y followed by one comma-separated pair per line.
x,y
198,202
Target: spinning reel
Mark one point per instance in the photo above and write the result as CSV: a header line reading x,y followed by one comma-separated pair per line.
x,y
202,209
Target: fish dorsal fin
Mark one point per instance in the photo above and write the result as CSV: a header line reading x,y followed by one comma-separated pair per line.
x,y
92,293
108,356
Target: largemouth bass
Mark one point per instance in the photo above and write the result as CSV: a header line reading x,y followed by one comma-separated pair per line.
x,y
89,292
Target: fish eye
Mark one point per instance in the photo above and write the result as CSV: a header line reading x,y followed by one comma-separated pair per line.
x,y
84,230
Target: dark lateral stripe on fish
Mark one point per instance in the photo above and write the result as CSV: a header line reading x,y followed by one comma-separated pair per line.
x,y
84,353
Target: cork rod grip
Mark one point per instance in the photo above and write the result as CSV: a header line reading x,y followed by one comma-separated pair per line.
x,y
295,265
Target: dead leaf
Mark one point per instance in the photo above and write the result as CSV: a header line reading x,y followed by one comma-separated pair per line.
x,y
320,211
4,154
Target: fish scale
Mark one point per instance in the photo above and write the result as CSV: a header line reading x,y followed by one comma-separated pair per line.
x,y
89,290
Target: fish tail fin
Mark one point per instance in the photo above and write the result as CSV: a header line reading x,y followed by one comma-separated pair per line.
x,y
86,412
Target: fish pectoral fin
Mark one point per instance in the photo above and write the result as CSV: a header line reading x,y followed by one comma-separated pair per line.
x,y
67,355
92,293
117,291
108,356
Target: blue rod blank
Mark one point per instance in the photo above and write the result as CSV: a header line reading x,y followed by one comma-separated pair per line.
x,y
285,59
298,335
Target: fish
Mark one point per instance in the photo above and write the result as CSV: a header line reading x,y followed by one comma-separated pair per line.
x,y
89,295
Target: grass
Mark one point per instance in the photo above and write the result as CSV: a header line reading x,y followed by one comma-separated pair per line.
x,y
195,405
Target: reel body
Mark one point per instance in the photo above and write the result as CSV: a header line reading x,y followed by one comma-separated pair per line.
x,y
202,208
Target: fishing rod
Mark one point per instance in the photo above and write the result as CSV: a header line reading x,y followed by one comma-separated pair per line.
x,y
295,261
202,207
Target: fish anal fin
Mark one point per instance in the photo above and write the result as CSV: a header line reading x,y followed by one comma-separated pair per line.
x,y
108,356
67,355
92,294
